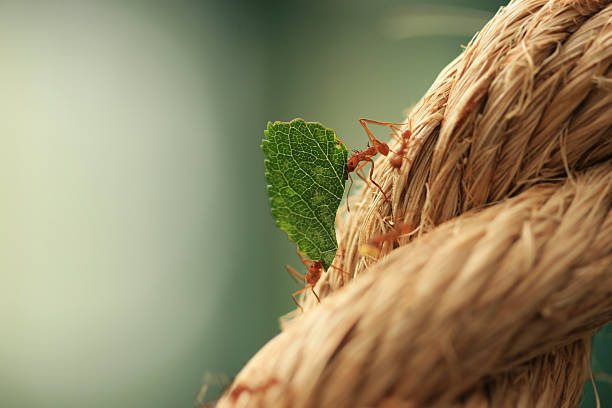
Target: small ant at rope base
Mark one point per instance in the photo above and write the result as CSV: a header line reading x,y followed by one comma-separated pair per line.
x,y
373,247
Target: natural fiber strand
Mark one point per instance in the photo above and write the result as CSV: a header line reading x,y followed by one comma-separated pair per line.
x,y
493,300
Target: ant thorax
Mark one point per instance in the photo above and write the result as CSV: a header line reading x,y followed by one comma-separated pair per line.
x,y
314,272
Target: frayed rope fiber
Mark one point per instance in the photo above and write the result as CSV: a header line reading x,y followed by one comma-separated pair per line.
x,y
493,300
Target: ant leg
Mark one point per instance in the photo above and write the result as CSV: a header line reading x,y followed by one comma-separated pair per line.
x,y
361,176
341,271
381,147
305,261
336,268
396,130
369,133
411,131
295,274
371,172
371,179
376,122
297,292
314,293
351,184
409,146
395,127
375,183
395,134
348,194
365,180
358,169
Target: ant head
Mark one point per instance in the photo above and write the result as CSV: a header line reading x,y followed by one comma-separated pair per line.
x,y
352,163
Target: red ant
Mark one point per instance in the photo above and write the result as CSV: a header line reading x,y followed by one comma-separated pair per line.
x,y
398,158
373,246
315,269
366,155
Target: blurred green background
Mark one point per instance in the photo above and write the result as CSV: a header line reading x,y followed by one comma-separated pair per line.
x,y
137,251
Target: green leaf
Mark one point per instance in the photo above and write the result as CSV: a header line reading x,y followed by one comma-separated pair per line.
x,y
305,169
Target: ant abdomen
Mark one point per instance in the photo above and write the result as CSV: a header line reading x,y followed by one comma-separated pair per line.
x,y
383,149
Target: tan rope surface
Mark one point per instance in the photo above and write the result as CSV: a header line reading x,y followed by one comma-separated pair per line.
x,y
493,300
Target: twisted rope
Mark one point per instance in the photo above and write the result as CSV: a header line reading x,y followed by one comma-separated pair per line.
x,y
493,300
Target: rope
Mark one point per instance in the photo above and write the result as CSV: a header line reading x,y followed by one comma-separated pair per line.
x,y
494,299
